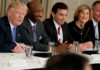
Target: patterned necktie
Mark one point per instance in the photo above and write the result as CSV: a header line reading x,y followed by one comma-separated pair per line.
x,y
14,34
34,33
59,37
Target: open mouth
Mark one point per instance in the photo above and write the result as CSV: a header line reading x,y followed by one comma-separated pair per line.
x,y
19,21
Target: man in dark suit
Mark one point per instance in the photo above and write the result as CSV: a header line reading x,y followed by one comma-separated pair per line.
x,y
94,24
32,19
56,28
11,40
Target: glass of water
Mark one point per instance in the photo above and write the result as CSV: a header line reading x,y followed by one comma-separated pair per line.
x,y
97,43
28,51
76,44
51,47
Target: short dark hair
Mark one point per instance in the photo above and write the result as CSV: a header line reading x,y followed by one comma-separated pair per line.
x,y
66,61
94,4
28,4
59,5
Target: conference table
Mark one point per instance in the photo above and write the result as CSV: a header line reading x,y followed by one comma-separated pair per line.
x,y
14,61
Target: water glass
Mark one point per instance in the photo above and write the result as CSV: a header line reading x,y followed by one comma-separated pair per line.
x,y
51,47
97,43
28,51
76,43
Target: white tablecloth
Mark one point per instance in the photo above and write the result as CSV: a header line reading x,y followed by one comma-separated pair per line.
x,y
33,62
30,63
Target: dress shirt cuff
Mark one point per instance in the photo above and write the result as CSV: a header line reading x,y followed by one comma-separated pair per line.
x,y
13,45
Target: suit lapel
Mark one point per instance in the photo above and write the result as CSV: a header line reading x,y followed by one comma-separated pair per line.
x,y
8,28
93,29
64,32
38,31
28,30
54,31
99,29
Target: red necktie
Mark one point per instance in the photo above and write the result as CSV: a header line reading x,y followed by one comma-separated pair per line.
x,y
58,32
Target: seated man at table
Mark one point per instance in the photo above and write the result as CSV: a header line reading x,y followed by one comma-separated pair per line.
x,y
57,29
34,28
94,24
11,34
68,61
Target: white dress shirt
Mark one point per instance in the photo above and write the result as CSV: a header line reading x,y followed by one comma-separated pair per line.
x,y
96,29
61,32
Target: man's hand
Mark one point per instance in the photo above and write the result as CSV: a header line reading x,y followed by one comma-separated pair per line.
x,y
20,48
64,47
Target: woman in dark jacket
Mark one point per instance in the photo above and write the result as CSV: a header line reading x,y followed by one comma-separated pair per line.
x,y
76,27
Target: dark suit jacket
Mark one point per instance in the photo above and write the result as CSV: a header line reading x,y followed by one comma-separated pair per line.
x,y
77,33
52,33
89,25
42,39
6,43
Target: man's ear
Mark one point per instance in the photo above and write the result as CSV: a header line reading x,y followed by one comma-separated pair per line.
x,y
53,14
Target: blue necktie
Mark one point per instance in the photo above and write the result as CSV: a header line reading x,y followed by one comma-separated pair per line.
x,y
34,33
14,34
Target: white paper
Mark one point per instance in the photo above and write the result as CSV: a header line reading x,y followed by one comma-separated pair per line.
x,y
43,60
17,62
96,56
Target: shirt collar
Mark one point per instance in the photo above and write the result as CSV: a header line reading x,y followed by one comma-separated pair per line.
x,y
94,22
56,24
32,23
11,25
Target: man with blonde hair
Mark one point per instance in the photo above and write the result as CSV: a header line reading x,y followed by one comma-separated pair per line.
x,y
11,34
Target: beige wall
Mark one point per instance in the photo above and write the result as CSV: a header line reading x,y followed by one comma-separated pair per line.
x,y
47,5
72,5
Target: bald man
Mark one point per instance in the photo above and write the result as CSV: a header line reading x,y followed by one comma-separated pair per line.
x,y
33,28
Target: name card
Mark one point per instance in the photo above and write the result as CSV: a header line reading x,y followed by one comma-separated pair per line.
x,y
17,63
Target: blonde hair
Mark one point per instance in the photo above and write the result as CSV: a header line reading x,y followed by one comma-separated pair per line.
x,y
80,9
15,5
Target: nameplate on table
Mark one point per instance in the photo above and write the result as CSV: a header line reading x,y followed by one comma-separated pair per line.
x,y
17,62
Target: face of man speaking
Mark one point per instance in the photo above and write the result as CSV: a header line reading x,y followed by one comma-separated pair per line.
x,y
16,15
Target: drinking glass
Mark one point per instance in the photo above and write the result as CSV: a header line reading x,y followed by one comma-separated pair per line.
x,y
51,47
28,51
76,43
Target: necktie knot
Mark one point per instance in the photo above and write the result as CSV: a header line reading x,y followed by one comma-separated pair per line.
x,y
34,27
14,28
